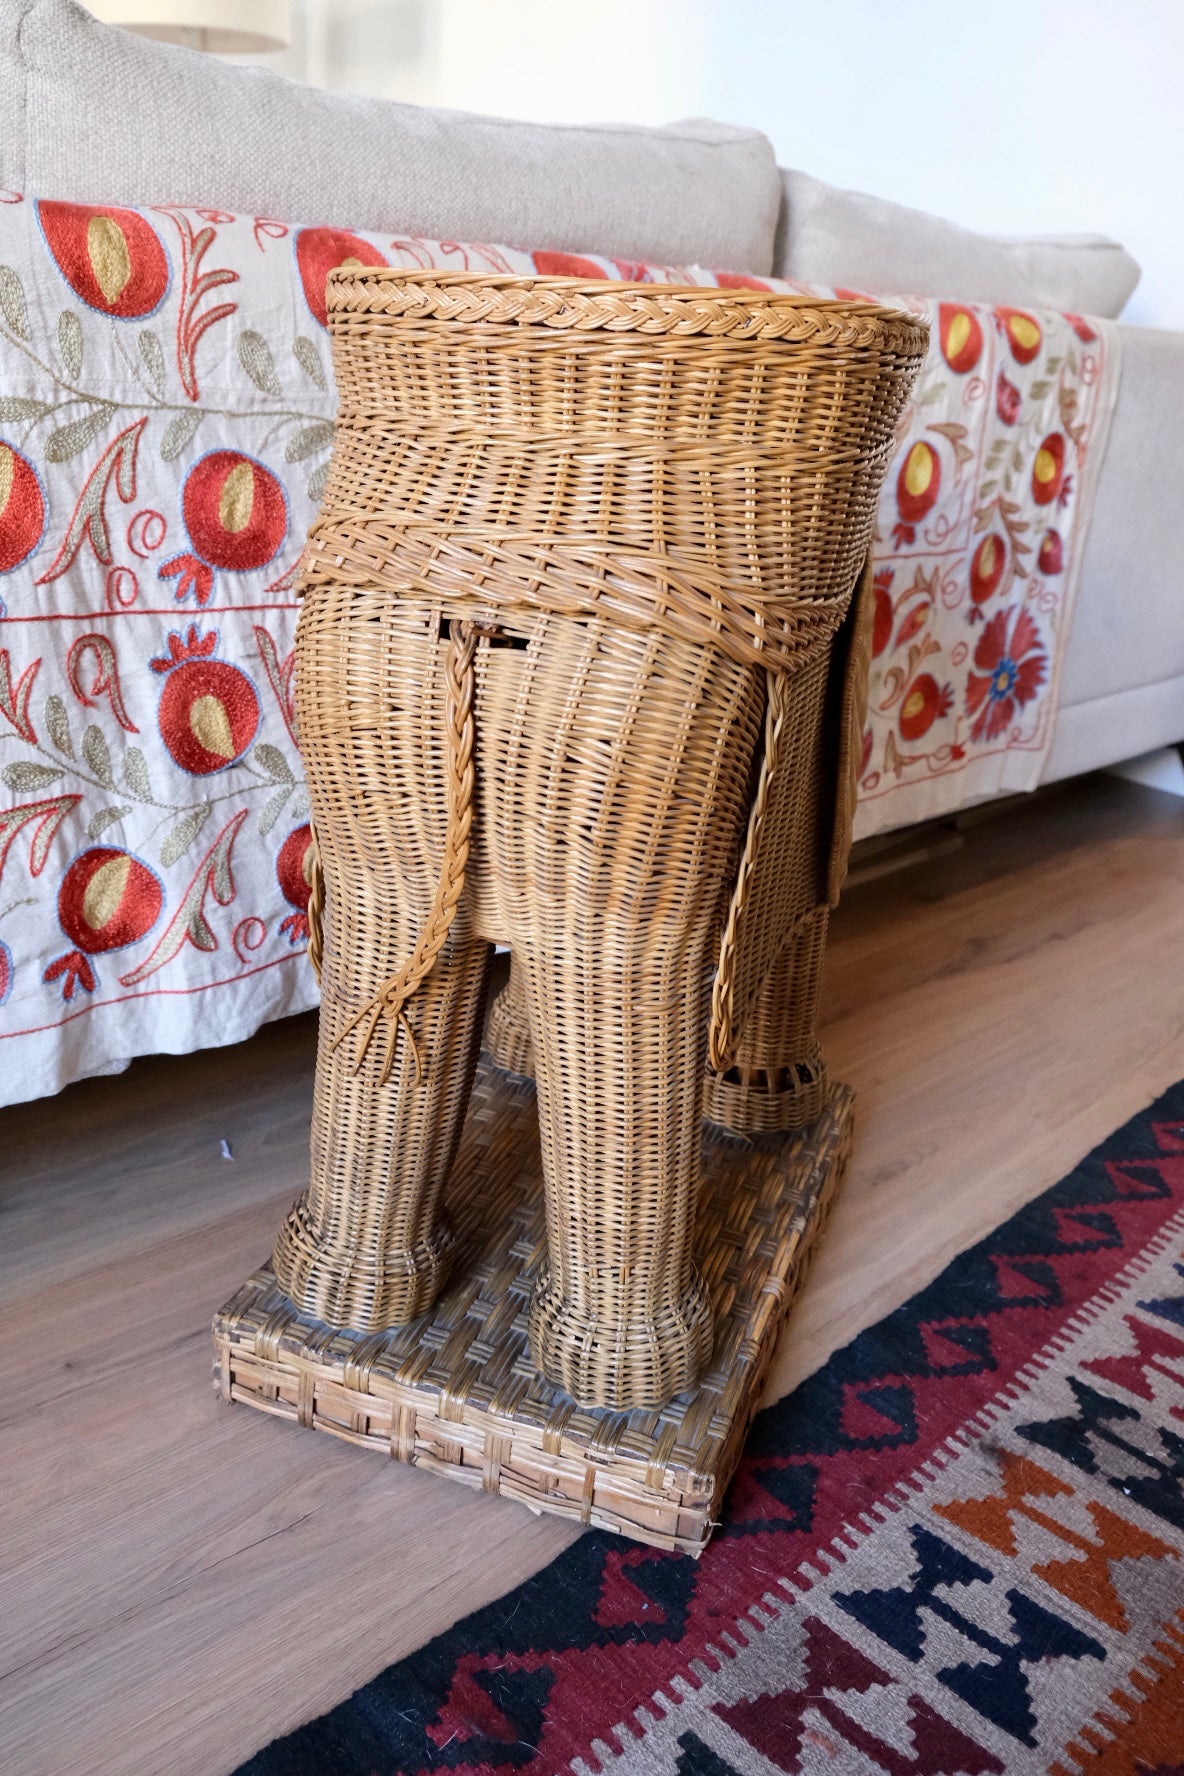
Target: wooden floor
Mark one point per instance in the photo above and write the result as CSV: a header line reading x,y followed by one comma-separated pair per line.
x,y
179,1581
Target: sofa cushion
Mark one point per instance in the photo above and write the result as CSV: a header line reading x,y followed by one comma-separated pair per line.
x,y
836,237
94,114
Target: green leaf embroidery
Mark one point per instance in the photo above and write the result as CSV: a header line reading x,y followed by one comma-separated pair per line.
x,y
25,777
69,439
308,441
135,774
58,725
104,818
153,356
177,434
183,834
13,407
254,354
308,358
94,751
70,342
12,302
273,808
269,758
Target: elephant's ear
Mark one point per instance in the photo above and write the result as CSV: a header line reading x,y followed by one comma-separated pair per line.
x,y
857,634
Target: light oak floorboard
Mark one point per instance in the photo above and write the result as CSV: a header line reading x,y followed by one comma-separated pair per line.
x,y
180,1581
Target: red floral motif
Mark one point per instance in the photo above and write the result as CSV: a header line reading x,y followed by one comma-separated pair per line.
x,y
14,698
237,518
1082,329
293,869
883,612
1049,481
1022,332
107,900
1008,400
5,972
926,701
917,487
567,265
739,280
986,567
113,260
320,251
961,337
22,508
1012,666
209,709
1051,558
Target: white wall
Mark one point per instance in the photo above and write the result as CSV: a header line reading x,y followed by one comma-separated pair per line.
x,y
1008,115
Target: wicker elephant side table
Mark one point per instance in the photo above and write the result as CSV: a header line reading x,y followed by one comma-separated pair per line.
x,y
579,629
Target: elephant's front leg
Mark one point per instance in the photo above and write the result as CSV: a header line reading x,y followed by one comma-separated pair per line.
x,y
619,1316
368,1244
629,815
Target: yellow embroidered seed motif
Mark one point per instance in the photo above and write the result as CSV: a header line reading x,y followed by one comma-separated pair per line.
x,y
237,498
211,725
918,470
104,892
108,254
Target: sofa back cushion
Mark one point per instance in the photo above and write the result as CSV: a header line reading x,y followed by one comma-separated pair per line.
x,y
836,237
94,114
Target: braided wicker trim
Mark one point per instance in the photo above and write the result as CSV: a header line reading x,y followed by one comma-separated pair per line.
x,y
583,579
572,304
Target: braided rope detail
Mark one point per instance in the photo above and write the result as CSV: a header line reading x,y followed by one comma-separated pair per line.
x,y
722,1041
316,910
655,309
390,1001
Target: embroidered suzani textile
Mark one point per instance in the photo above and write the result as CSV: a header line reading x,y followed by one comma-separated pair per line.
x,y
166,417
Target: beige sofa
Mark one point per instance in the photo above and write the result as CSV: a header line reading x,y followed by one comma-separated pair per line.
x,y
93,114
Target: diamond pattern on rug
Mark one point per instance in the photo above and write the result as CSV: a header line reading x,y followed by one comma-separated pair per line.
x,y
959,1547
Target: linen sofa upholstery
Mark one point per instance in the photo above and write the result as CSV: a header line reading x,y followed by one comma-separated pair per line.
x,y
1122,686
830,236
94,114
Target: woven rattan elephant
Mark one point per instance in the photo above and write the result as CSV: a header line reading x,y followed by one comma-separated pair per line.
x,y
568,679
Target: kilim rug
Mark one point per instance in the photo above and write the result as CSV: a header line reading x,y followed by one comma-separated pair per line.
x,y
956,1549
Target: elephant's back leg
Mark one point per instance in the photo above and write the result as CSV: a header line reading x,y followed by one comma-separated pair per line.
x,y
368,1243
622,779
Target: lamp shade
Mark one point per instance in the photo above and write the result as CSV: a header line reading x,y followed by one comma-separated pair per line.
x,y
225,27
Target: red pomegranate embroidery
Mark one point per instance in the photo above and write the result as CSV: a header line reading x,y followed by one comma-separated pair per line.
x,y
22,508
986,568
883,612
236,515
961,337
917,487
108,899
567,265
113,260
320,251
5,972
925,702
1008,400
293,868
1051,558
1049,481
209,709
1022,333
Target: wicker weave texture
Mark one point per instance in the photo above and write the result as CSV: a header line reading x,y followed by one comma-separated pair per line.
x,y
583,551
457,1393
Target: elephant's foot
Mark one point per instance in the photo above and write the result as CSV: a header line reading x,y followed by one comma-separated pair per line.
x,y
507,1034
366,1293
760,1101
620,1364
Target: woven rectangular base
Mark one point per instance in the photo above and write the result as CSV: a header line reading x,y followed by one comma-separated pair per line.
x,y
456,1392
